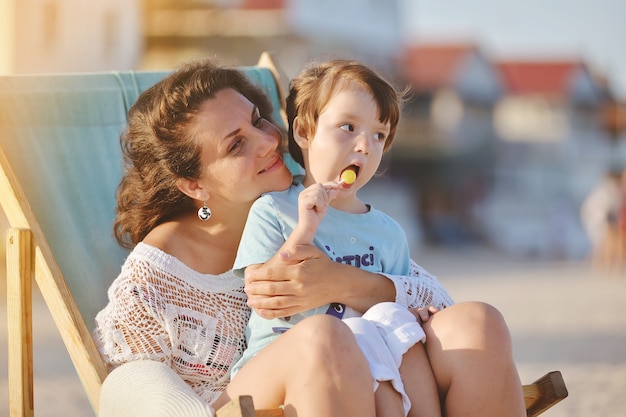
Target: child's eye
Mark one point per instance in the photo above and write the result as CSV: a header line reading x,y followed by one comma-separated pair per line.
x,y
347,127
380,136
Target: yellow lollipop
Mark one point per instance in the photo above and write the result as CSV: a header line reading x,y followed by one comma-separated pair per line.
x,y
348,176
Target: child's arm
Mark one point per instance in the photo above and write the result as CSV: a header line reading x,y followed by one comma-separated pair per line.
x,y
313,203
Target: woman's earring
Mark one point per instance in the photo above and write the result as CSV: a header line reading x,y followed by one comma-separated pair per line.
x,y
204,213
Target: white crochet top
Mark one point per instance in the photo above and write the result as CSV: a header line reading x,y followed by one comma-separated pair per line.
x,y
160,309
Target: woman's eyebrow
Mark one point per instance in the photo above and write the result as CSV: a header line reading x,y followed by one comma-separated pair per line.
x,y
231,134
255,111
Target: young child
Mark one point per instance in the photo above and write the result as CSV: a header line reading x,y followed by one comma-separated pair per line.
x,y
342,118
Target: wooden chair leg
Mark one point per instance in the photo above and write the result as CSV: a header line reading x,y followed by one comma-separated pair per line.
x,y
20,322
544,393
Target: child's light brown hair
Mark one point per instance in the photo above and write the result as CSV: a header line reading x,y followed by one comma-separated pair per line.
x,y
312,89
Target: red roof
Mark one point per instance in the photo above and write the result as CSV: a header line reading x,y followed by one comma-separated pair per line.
x,y
540,77
428,67
263,4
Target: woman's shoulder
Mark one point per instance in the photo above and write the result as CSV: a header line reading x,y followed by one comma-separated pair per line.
x,y
147,263
164,236
149,254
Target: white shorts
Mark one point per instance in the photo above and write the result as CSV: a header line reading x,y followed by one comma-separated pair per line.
x,y
385,333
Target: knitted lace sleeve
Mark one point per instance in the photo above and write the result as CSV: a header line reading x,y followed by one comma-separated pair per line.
x,y
131,326
420,288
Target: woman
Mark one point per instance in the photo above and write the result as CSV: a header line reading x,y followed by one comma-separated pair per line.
x,y
199,149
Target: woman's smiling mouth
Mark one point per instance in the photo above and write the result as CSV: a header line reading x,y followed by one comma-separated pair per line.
x,y
277,162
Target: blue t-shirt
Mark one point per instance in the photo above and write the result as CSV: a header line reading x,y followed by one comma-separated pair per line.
x,y
372,241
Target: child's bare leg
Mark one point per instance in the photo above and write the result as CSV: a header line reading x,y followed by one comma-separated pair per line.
x,y
388,401
419,383
315,369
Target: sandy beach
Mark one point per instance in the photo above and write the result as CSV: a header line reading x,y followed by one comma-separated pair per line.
x,y
561,315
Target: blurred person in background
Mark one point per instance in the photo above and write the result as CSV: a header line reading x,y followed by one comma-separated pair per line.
x,y
622,223
602,215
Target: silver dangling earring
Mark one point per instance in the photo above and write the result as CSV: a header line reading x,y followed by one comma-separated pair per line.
x,y
204,213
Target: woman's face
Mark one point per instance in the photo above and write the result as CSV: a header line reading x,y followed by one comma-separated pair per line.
x,y
241,153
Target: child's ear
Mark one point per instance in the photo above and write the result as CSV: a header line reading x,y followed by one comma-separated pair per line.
x,y
299,134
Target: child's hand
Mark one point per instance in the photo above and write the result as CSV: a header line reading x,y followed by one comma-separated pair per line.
x,y
313,204
422,314
314,198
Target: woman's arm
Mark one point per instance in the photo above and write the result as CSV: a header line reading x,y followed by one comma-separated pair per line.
x,y
306,278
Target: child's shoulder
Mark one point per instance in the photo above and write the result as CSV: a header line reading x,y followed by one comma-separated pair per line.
x,y
279,198
289,193
384,218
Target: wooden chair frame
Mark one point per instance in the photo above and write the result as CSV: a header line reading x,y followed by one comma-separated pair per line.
x,y
29,255
539,396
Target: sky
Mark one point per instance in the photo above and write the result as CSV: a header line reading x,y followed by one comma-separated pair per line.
x,y
592,30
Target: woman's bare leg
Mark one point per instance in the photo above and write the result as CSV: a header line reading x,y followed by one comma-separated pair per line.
x,y
419,383
470,352
315,368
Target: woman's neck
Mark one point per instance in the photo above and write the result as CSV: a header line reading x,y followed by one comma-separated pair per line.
x,y
208,247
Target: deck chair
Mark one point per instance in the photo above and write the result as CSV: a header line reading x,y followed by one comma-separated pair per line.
x,y
60,164
539,396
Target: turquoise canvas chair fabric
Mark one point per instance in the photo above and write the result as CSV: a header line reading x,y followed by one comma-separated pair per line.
x,y
61,135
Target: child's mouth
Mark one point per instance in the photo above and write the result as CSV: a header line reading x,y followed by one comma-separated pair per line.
x,y
348,175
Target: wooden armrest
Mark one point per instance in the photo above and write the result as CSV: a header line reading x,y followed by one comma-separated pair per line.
x,y
539,396
244,407
544,393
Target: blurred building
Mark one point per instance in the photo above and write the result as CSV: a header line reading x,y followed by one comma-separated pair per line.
x,y
553,148
501,152
236,31
504,152
294,31
446,139
372,31
48,36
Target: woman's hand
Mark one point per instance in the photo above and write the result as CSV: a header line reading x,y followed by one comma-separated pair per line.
x,y
303,278
422,314
291,282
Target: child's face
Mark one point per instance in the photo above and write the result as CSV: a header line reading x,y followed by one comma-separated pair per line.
x,y
348,133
